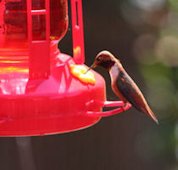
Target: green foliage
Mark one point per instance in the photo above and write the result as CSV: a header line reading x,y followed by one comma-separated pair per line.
x,y
174,5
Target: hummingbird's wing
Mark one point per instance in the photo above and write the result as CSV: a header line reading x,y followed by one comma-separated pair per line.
x,y
129,90
132,93
122,84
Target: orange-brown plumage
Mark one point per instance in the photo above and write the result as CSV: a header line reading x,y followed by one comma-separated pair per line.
x,y
122,84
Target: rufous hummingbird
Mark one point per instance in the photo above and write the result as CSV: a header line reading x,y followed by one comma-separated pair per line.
x,y
122,84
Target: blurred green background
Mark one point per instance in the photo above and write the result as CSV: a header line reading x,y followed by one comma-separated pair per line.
x,y
144,35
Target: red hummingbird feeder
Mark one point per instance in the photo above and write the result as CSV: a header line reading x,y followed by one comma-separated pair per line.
x,y
38,93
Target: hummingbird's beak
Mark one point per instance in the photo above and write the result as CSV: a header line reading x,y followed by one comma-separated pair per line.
x,y
91,67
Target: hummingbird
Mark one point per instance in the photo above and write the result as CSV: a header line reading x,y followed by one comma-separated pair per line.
x,y
122,84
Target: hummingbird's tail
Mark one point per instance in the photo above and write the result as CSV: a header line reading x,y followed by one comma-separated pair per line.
x,y
151,114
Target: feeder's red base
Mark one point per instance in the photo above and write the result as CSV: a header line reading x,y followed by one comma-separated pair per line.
x,y
47,106
45,126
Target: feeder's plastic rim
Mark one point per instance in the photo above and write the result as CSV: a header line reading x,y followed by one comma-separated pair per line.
x,y
122,107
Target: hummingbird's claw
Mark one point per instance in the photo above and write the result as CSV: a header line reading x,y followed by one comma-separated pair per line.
x,y
125,106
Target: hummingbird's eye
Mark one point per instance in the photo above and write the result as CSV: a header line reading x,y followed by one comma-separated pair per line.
x,y
98,59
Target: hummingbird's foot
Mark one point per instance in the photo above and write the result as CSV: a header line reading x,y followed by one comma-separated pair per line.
x,y
124,107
